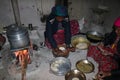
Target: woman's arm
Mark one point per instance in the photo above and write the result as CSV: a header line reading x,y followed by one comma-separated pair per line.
x,y
66,25
50,35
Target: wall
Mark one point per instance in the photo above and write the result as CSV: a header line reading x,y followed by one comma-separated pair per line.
x,y
83,9
30,11
114,6
6,13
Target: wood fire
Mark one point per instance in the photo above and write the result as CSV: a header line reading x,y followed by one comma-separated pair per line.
x,y
24,59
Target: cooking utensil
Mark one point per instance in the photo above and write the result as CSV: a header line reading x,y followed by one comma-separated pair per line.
x,y
93,36
75,75
62,48
60,66
85,66
18,37
80,42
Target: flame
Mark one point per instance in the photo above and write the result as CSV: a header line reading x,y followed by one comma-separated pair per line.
x,y
22,55
24,59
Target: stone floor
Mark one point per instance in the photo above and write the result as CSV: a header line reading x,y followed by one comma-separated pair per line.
x,y
39,69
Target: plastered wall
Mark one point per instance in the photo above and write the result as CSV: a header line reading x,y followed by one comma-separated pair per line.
x,y
82,8
32,10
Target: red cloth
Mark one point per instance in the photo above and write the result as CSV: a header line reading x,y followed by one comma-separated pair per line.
x,y
59,36
74,27
106,63
2,40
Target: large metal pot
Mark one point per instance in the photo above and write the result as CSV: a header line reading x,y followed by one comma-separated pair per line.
x,y
94,36
18,37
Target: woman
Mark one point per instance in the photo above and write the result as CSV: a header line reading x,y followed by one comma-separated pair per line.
x,y
107,54
115,42
58,29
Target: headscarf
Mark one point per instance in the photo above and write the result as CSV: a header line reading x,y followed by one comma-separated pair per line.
x,y
117,22
60,10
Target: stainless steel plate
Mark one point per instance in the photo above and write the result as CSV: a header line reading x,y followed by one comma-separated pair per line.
x,y
75,75
60,66
85,66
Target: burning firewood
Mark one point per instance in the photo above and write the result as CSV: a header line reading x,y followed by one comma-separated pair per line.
x,y
24,59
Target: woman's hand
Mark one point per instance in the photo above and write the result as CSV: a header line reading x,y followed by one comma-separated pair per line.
x,y
102,75
57,51
100,46
72,49
104,52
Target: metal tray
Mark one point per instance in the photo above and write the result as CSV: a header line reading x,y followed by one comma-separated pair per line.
x,y
80,42
75,75
60,66
85,66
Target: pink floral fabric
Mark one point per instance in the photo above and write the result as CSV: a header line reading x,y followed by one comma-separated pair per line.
x,y
106,63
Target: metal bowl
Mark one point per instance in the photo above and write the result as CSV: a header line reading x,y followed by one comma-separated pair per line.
x,y
85,66
94,36
75,75
80,42
63,48
60,66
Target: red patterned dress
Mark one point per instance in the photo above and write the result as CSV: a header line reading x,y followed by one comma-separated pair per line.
x,y
106,63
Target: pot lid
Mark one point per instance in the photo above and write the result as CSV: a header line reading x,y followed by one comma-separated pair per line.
x,y
14,29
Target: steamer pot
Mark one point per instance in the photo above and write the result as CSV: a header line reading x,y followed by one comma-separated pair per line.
x,y
18,37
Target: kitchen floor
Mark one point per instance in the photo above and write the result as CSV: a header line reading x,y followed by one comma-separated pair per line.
x,y
39,69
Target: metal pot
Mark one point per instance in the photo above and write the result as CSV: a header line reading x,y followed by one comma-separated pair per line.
x,y
93,36
18,37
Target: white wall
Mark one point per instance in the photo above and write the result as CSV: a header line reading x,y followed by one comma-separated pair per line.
x,y
28,11
6,13
77,10
82,8
32,10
